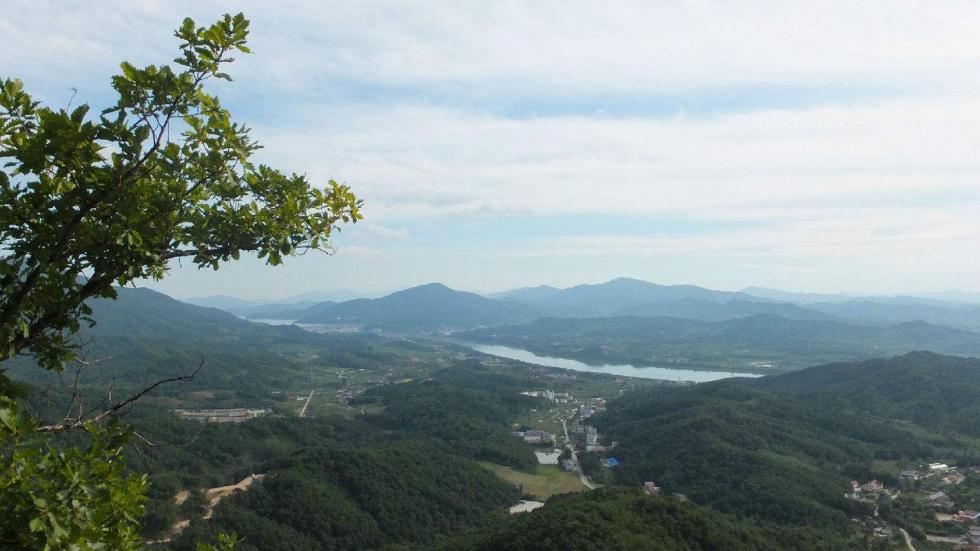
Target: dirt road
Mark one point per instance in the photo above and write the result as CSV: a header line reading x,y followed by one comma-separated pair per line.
x,y
302,412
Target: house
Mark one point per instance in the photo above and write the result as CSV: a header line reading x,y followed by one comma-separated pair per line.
x,y
872,487
936,496
539,437
968,516
591,435
651,488
953,478
938,467
567,465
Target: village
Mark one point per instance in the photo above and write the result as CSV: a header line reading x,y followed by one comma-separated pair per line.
x,y
945,498
936,499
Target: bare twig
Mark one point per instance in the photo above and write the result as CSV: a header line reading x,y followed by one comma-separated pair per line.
x,y
119,407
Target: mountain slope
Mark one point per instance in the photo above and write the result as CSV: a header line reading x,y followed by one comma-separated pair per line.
x,y
775,448
145,336
425,308
690,308
607,298
960,316
623,519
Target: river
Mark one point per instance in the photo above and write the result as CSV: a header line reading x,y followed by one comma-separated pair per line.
x,y
626,370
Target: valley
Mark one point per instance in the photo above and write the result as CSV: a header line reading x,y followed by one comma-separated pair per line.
x,y
456,435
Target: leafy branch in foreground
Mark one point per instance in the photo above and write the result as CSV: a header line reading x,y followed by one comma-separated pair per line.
x,y
164,173
91,202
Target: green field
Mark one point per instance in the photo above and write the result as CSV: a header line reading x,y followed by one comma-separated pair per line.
x,y
545,482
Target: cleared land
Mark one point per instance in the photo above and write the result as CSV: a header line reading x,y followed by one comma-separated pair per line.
x,y
545,482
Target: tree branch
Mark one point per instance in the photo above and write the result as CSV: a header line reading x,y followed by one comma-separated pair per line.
x,y
118,407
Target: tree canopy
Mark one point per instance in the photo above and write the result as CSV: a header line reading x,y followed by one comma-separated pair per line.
x,y
90,202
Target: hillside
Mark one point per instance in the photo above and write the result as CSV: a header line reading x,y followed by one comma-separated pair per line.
x,y
935,391
735,343
776,449
624,519
432,307
690,308
144,336
954,315
603,299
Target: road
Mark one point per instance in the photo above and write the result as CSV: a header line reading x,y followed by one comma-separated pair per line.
x,y
578,468
908,539
302,412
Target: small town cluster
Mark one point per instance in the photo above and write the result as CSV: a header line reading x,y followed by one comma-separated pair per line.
x,y
931,487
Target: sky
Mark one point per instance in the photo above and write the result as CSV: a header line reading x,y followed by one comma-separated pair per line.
x,y
814,146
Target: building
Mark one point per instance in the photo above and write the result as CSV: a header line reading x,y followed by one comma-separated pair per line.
x,y
651,488
591,435
539,437
230,415
967,516
567,465
941,501
953,478
872,487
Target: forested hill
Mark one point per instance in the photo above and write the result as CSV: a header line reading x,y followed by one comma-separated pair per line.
x,y
623,519
145,336
935,391
783,448
690,308
790,343
431,307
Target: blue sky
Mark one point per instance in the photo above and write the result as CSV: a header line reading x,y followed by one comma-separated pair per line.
x,y
824,146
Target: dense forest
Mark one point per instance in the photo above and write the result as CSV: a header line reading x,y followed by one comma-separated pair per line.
x,y
403,474
623,519
782,448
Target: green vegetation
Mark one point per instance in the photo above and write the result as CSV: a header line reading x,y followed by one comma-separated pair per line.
x,y
544,482
625,519
91,202
760,343
429,307
783,448
329,498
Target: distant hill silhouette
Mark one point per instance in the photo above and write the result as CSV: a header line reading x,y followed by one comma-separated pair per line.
x,y
429,307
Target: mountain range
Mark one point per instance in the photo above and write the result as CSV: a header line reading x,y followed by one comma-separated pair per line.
x,y
437,308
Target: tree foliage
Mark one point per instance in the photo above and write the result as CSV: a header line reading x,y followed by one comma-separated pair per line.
x,y
91,202
88,202
66,498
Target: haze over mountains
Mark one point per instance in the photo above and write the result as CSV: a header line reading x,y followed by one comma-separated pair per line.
x,y
646,324
435,307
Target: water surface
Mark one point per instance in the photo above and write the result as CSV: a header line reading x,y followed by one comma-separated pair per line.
x,y
626,370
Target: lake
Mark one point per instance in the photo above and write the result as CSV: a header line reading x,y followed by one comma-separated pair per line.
x,y
626,370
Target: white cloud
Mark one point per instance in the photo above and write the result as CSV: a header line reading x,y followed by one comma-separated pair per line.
x,y
401,100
